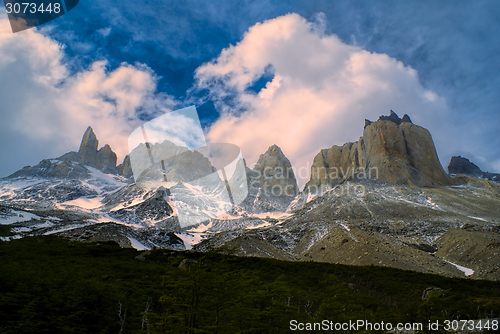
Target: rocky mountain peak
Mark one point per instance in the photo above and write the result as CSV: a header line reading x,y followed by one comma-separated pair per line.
x,y
461,165
406,118
125,168
391,150
393,117
106,159
274,150
103,159
71,164
271,184
89,141
272,159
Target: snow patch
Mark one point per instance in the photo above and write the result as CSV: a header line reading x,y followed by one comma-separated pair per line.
x,y
431,203
273,215
135,201
104,183
17,236
344,226
19,183
228,216
21,229
467,271
310,197
201,228
66,228
85,203
137,245
190,239
104,218
478,218
318,235
16,216
46,224
264,224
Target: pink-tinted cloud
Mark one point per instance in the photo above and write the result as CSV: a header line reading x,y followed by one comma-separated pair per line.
x,y
320,94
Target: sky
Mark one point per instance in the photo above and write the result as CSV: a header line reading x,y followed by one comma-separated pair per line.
x,y
300,74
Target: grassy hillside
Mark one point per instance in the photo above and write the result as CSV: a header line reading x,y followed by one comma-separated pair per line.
x,y
51,285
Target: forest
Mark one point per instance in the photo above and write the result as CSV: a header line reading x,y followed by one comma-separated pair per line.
x,y
53,285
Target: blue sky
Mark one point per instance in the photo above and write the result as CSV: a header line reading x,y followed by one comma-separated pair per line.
x,y
451,49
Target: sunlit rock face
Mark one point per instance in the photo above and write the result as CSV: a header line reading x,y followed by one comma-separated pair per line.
x,y
272,184
88,147
391,150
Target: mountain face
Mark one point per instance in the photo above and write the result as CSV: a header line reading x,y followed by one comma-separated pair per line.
x,y
125,168
153,209
272,184
88,146
391,150
383,200
460,165
53,169
429,230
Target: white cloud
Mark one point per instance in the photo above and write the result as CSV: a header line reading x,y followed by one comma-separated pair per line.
x,y
320,94
45,110
181,127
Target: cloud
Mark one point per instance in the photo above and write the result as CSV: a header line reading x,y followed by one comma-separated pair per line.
x,y
453,48
45,110
181,127
496,165
321,91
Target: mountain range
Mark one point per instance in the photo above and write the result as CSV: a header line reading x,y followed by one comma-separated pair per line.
x,y
383,200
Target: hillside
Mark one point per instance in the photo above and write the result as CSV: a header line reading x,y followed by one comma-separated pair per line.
x,y
51,285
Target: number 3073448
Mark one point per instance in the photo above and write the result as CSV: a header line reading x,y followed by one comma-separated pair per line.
x,y
27,7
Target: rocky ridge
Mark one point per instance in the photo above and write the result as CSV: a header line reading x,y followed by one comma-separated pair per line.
x,y
391,150
73,165
409,216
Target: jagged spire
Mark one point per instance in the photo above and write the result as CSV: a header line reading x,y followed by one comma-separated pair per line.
x,y
406,118
89,141
393,117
